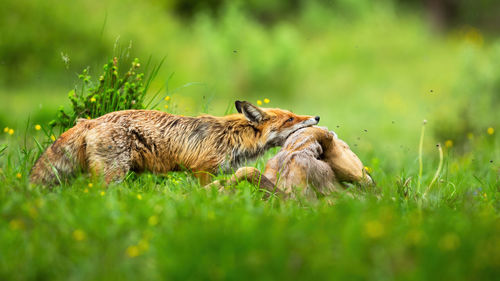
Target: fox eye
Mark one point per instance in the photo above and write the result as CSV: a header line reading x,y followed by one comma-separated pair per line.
x,y
289,119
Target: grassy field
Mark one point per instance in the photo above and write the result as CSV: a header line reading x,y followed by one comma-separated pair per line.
x,y
153,227
373,79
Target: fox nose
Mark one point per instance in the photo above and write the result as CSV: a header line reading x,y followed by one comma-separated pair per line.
x,y
316,118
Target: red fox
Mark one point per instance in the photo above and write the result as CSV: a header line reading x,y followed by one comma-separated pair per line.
x,y
140,140
312,160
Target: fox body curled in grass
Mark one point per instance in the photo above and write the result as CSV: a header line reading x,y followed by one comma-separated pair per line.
x,y
147,140
312,160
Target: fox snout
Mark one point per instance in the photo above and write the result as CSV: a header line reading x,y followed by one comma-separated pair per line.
x,y
311,121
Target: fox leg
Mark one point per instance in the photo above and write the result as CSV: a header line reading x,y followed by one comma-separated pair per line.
x,y
110,169
250,174
254,176
108,152
203,177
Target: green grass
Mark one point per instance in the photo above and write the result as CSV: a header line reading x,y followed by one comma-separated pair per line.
x,y
152,227
372,79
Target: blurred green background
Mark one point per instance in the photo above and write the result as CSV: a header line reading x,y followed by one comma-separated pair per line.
x,y
373,70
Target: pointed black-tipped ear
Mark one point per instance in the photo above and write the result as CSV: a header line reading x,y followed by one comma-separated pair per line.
x,y
237,104
251,112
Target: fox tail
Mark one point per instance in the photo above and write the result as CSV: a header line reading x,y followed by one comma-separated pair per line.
x,y
63,158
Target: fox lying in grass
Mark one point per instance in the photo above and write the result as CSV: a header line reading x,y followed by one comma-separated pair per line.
x,y
312,158
139,140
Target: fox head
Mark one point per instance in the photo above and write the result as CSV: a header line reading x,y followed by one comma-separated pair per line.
x,y
274,124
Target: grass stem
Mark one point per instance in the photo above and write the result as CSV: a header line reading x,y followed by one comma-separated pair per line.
x,y
438,171
420,148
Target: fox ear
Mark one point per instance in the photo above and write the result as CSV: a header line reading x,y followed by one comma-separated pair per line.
x,y
251,112
238,105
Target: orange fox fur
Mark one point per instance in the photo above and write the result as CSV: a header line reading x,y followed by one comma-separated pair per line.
x,y
141,140
312,158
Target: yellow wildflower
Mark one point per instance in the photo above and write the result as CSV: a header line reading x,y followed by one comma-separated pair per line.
x,y
38,127
18,175
449,242
92,99
90,185
79,235
52,137
415,236
368,169
11,132
448,143
86,190
165,106
33,212
490,131
167,98
6,129
473,35
153,220
139,196
132,251
374,229
103,193
259,102
39,202
16,224
266,100
88,117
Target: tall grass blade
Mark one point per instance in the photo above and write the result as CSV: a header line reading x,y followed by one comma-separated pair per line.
x,y
438,171
420,148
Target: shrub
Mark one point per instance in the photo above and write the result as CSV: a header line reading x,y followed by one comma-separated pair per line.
x,y
111,92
